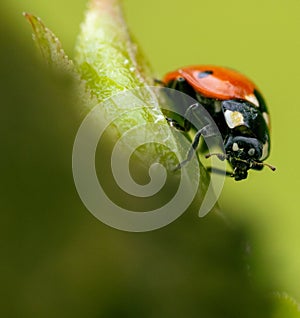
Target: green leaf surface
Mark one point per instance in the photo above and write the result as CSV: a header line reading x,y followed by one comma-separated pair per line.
x,y
53,54
110,62
106,55
48,44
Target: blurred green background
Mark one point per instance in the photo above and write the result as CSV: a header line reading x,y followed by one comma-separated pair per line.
x,y
60,261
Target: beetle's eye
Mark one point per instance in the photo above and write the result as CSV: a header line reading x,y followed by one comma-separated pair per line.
x,y
180,79
204,74
251,151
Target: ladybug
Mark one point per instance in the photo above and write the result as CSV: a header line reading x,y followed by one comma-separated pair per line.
x,y
236,106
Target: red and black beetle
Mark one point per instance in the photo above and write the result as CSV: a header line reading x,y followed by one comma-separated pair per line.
x,y
237,107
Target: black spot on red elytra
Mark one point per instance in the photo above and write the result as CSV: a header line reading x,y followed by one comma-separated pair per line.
x,y
204,74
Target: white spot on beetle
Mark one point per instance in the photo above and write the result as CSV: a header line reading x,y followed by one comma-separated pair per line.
x,y
251,151
266,118
252,99
265,151
235,147
233,118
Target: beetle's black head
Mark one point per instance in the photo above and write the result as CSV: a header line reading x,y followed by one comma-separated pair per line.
x,y
243,153
240,171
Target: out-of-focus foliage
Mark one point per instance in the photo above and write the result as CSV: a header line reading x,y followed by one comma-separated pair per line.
x,y
286,306
58,261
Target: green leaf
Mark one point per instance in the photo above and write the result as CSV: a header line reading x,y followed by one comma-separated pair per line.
x,y
107,58
53,54
48,44
110,62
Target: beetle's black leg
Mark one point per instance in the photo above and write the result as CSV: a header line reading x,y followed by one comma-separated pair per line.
x,y
175,124
188,114
186,123
191,151
206,131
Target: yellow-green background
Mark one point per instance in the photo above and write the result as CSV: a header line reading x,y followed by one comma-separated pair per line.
x,y
261,39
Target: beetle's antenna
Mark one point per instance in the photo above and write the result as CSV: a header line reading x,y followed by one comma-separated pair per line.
x,y
265,164
221,156
259,164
